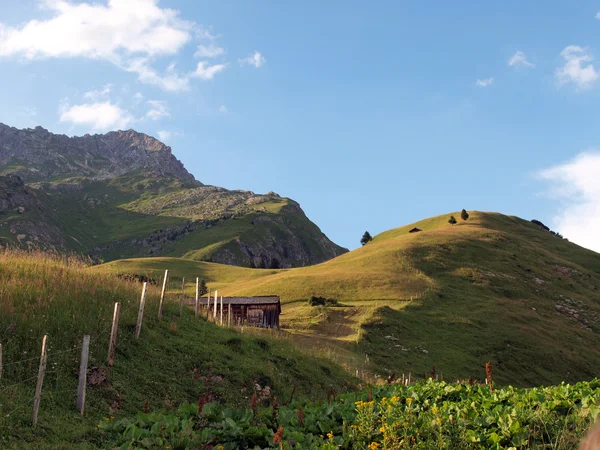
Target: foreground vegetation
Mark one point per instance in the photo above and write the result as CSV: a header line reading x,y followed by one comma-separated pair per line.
x,y
177,360
425,415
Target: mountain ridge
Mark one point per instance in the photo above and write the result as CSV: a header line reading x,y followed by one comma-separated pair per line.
x,y
124,194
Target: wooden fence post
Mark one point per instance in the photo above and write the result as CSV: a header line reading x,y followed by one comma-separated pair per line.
x,y
113,334
221,310
138,325
229,315
85,349
40,381
182,296
215,308
197,296
208,306
162,294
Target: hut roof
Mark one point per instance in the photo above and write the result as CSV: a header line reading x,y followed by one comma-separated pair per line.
x,y
258,300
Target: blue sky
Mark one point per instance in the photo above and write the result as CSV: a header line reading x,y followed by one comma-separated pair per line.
x,y
371,115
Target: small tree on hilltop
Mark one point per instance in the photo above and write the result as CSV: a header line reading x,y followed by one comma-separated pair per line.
x,y
451,220
464,215
366,238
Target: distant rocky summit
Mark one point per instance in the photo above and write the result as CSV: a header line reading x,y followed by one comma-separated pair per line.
x,y
124,194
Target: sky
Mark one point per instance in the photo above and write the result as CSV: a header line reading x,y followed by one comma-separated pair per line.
x,y
371,115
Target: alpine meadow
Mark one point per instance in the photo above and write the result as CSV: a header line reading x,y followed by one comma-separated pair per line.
x,y
323,225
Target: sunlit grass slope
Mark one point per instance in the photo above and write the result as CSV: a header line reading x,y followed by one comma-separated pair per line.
x,y
493,287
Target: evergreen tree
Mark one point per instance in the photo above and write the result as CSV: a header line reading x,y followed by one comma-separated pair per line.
x,y
464,215
452,220
366,238
202,288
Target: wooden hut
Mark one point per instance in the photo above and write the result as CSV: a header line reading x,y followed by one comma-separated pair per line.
x,y
261,311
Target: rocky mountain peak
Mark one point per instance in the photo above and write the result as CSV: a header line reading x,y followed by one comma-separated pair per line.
x,y
37,154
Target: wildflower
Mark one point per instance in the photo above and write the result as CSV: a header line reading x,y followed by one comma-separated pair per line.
x,y
300,415
382,429
220,447
278,436
374,445
330,435
409,400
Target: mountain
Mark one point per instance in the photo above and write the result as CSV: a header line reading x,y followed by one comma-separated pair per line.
x,y
124,194
492,288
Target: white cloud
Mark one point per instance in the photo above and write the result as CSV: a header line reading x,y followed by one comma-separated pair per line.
x,y
204,71
485,83
576,185
165,135
223,109
598,15
575,70
255,59
209,51
519,60
95,95
128,33
98,31
158,110
100,116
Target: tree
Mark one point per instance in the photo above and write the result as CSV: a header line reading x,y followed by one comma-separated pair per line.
x,y
274,264
464,215
202,288
452,220
366,238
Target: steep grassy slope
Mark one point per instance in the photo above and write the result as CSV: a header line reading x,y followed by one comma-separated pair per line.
x,y
176,360
495,288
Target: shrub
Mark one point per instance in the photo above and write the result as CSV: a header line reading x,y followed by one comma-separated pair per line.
x,y
464,215
452,220
366,238
321,301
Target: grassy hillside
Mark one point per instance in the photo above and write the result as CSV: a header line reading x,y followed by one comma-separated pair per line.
x,y
177,360
493,288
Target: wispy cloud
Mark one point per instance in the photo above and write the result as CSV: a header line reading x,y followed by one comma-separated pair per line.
x,y
128,33
158,110
209,51
520,60
165,135
98,116
223,109
255,59
95,95
575,184
485,83
205,71
576,70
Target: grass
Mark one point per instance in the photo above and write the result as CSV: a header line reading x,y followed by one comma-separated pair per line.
x,y
492,288
179,359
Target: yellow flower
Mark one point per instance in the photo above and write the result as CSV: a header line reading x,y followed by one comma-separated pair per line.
x,y
106,419
409,400
374,445
330,435
220,447
382,429
439,419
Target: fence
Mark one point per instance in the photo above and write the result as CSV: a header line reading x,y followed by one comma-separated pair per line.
x,y
212,312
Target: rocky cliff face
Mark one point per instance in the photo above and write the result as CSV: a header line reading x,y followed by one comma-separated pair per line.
x,y
38,155
123,194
